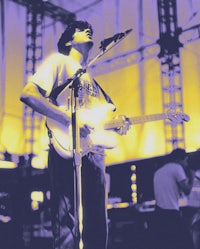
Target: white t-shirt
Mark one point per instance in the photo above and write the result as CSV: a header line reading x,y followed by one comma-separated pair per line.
x,y
166,188
56,70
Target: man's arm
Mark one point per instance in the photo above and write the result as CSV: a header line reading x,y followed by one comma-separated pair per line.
x,y
187,184
33,96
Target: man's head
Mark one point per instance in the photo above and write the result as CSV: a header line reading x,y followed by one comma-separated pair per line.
x,y
64,43
179,155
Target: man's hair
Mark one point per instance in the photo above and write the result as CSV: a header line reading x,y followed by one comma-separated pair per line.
x,y
178,154
67,35
194,160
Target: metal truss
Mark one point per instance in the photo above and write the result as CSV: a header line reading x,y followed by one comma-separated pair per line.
x,y
36,10
49,9
34,52
170,72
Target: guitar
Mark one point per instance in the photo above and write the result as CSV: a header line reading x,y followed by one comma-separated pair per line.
x,y
102,130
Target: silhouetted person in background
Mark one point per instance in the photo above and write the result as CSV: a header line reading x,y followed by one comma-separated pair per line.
x,y
170,181
194,200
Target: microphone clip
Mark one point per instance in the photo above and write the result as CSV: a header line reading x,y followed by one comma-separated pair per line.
x,y
116,38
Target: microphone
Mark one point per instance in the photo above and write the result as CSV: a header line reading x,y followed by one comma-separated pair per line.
x,y
108,43
114,39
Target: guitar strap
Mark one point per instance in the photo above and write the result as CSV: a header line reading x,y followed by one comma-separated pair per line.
x,y
108,99
56,91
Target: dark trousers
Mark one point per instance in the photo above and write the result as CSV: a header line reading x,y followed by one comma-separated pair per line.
x,y
169,229
195,229
93,199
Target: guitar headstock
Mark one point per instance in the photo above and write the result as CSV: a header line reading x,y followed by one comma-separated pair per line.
x,y
177,117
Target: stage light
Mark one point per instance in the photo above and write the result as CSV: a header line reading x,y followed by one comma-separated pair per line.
x,y
134,187
37,196
35,205
133,167
134,184
7,165
133,177
122,205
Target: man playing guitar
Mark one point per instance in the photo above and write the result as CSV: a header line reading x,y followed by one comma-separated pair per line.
x,y
39,93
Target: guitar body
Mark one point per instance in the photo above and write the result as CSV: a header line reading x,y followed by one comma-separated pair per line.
x,y
98,137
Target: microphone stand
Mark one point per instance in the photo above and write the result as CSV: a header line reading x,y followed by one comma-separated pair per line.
x,y
77,153
77,161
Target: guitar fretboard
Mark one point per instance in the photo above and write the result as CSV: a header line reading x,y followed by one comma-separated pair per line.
x,y
148,118
135,120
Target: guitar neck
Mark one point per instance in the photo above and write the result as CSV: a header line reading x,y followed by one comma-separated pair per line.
x,y
147,118
134,120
